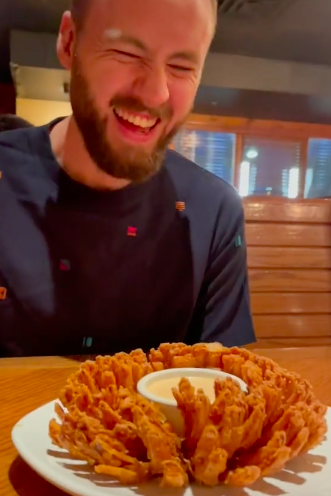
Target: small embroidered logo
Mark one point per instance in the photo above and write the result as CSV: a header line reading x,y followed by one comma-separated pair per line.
x,y
238,241
180,206
65,265
132,232
87,342
3,293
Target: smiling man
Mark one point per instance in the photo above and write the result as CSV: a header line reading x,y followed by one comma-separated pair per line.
x,y
109,240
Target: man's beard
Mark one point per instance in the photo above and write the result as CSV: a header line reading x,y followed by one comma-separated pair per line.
x,y
132,163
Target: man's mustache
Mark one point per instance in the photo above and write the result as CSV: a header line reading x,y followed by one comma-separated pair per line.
x,y
134,104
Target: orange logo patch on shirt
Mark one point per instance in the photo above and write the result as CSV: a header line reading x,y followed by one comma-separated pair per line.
x,y
3,293
180,206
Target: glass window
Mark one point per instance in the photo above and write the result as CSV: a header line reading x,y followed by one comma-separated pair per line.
x,y
270,167
318,174
211,150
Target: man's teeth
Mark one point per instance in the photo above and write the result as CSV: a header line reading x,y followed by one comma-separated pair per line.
x,y
143,122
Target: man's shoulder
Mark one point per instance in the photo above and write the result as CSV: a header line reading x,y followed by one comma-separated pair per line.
x,y
22,154
200,185
15,149
17,139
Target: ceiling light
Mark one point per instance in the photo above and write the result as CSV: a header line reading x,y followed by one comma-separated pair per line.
x,y
252,153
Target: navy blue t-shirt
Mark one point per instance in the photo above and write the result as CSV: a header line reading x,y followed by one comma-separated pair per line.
x,y
85,271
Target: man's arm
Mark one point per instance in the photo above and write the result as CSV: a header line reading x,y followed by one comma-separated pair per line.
x,y
223,311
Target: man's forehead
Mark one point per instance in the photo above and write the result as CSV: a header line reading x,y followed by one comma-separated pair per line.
x,y
214,3
113,34
181,32
117,7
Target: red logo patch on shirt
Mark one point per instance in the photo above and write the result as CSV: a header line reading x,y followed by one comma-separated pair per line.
x,y
3,293
132,232
65,265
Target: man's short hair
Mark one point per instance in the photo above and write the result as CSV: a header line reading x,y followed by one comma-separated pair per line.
x,y
79,9
9,122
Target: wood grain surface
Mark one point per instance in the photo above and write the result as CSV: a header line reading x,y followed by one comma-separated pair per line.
x,y
292,342
289,262
258,127
271,209
290,280
283,234
26,384
290,303
260,257
296,326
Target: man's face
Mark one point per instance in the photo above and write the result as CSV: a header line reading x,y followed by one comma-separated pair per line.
x,y
135,72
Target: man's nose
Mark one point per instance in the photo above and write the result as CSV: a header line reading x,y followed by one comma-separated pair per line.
x,y
152,88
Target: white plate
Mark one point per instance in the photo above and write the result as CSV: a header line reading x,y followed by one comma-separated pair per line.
x,y
305,476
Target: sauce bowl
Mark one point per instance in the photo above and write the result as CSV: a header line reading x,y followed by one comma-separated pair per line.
x,y
157,387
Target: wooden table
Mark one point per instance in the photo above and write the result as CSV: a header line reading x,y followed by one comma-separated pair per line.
x,y
26,384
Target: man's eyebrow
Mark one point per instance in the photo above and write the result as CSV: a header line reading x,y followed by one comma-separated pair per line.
x,y
115,35
188,56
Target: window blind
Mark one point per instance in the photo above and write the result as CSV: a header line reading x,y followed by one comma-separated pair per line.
x,y
318,173
270,167
213,151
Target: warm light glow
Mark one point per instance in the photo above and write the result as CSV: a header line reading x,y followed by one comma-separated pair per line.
x,y
244,178
252,153
293,183
41,112
309,181
188,143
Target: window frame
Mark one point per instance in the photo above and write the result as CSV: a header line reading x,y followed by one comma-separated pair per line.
x,y
254,128
234,157
302,164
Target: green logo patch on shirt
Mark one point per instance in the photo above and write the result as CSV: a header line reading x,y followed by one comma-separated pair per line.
x,y
238,241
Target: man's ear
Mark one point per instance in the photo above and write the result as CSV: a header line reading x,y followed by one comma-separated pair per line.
x,y
65,41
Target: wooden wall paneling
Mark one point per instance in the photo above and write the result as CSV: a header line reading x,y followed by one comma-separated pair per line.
x,y
297,257
268,209
290,303
290,342
272,128
292,326
290,280
289,259
298,235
